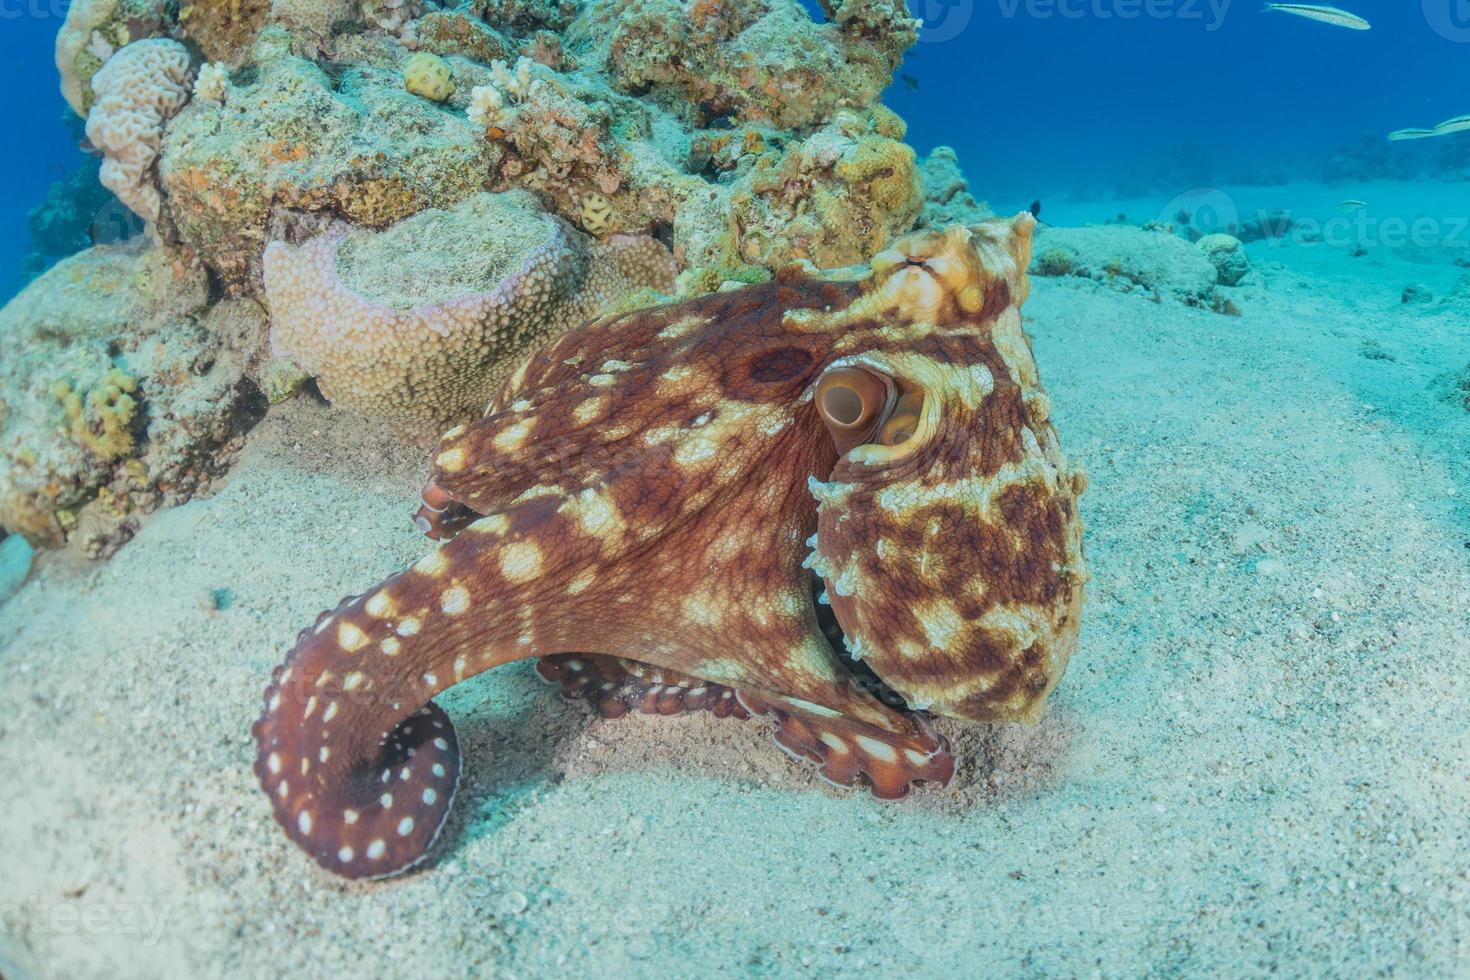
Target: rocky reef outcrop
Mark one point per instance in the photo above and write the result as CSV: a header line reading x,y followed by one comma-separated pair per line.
x,y
1155,262
122,387
279,148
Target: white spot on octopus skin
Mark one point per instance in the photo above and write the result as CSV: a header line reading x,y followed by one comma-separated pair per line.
x,y
350,816
438,770
881,751
408,627
387,800
405,826
430,796
331,712
273,763
441,745
455,600
304,821
345,854
350,638
376,848
323,753
433,564
918,758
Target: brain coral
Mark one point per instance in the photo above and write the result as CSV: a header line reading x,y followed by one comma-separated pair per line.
x,y
138,89
420,323
93,30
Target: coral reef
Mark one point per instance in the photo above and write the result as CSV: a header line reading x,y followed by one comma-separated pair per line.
x,y
120,391
419,324
294,143
744,136
1130,259
947,197
756,61
835,198
1227,255
222,29
137,91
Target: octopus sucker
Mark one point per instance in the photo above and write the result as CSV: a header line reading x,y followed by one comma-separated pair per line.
x,y
788,501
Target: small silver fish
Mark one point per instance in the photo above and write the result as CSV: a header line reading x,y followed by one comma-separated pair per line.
x,y
1327,15
1456,125
1411,134
1351,205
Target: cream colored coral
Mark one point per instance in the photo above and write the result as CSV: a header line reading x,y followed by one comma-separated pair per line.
x,y
488,103
393,16
517,85
403,341
79,34
487,107
213,83
137,91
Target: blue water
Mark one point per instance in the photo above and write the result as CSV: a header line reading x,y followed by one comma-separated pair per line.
x,y
1042,98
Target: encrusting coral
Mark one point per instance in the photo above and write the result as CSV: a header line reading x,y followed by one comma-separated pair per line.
x,y
121,389
137,91
427,344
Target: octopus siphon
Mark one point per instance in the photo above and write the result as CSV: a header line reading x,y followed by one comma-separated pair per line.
x,y
835,500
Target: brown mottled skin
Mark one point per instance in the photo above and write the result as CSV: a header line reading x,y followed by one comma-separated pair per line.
x,y
648,489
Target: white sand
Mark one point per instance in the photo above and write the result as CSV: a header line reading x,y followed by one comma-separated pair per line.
x,y
1257,761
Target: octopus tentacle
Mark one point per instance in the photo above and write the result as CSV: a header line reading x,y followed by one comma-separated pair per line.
x,y
847,750
616,686
360,766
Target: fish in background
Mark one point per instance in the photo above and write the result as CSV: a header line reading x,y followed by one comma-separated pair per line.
x,y
1456,125
1411,134
1326,15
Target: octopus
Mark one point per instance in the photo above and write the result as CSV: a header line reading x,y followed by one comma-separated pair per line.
x,y
835,500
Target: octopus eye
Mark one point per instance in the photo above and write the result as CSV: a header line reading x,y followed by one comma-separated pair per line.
x,y
850,401
903,421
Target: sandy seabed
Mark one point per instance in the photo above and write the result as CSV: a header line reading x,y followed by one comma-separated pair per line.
x,y
1258,762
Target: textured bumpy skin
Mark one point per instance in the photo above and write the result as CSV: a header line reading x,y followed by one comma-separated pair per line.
x,y
655,488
